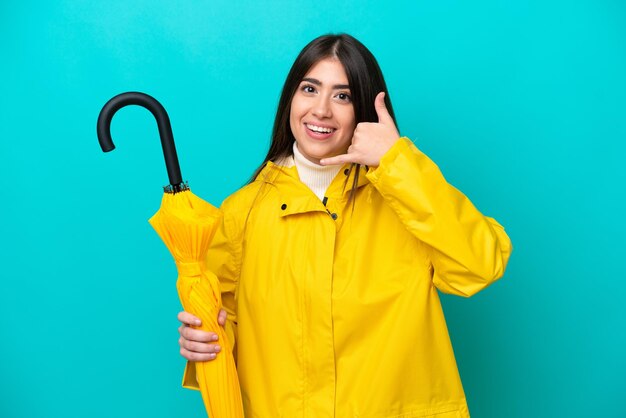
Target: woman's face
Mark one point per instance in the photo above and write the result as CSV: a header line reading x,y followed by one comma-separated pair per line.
x,y
322,115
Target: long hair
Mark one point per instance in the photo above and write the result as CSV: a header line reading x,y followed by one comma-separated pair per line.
x,y
364,78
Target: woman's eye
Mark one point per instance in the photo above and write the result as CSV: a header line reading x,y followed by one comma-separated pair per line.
x,y
344,97
308,89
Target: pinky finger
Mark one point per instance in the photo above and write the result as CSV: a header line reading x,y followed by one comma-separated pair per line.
x,y
338,160
193,356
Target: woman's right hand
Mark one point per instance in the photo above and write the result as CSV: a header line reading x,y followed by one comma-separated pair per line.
x,y
197,345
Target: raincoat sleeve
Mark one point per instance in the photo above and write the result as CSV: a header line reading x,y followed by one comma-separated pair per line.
x,y
223,260
468,251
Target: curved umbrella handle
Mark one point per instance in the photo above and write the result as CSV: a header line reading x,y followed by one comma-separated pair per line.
x,y
163,122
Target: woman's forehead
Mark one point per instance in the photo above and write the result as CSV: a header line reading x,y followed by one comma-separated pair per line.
x,y
328,71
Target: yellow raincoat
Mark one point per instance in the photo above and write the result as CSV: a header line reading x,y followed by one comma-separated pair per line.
x,y
334,312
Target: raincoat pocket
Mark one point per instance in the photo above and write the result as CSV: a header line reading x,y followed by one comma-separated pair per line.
x,y
420,414
447,411
446,414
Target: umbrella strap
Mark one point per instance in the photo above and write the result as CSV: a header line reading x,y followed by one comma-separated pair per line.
x,y
189,269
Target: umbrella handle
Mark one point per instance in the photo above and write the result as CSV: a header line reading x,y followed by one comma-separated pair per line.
x,y
163,122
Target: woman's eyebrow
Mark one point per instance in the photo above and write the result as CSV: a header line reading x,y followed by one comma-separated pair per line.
x,y
319,83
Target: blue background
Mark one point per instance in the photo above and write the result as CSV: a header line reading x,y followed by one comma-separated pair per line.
x,y
522,105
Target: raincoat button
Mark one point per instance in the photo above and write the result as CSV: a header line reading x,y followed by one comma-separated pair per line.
x,y
346,171
284,206
334,216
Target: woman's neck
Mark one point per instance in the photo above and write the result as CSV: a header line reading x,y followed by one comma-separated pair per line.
x,y
316,177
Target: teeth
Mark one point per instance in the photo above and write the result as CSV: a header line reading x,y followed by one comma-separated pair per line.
x,y
319,129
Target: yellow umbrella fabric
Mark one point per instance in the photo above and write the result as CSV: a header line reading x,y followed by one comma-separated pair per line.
x,y
187,224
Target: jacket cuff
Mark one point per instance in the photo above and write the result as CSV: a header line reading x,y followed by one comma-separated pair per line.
x,y
402,145
189,377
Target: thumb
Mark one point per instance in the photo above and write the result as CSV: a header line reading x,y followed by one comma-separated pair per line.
x,y
381,109
221,317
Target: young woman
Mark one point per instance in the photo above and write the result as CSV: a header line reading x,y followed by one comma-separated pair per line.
x,y
330,259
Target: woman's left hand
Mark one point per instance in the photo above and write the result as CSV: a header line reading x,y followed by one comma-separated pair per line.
x,y
370,140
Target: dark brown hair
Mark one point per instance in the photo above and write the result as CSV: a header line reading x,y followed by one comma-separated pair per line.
x,y
364,77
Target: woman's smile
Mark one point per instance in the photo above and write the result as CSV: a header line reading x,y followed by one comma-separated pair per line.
x,y
319,131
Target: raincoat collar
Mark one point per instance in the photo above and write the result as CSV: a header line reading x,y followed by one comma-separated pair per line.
x,y
296,197
285,175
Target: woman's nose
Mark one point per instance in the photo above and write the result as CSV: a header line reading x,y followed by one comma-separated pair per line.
x,y
321,107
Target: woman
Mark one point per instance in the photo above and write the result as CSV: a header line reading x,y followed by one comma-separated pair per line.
x,y
330,258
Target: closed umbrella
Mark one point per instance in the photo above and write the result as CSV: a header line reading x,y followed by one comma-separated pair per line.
x,y
186,224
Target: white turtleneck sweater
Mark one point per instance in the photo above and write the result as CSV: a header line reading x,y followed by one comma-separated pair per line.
x,y
316,177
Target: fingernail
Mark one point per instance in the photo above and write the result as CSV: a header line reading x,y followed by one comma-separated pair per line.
x,y
197,322
212,355
214,338
218,348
